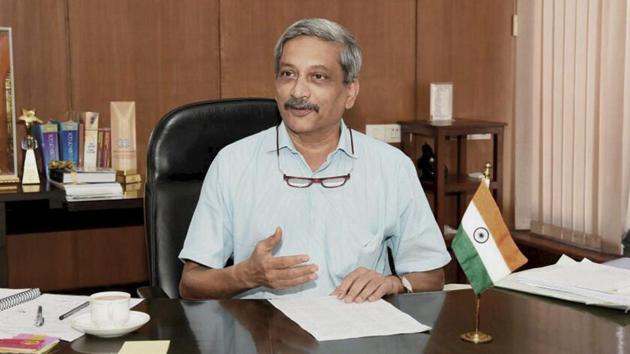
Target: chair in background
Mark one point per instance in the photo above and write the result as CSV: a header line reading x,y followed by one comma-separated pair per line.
x,y
181,148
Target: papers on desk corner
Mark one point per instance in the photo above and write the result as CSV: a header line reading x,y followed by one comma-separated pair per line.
x,y
585,282
328,318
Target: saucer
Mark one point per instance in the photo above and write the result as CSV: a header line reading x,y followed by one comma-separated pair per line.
x,y
84,323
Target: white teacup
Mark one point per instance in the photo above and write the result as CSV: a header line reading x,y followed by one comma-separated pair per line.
x,y
109,309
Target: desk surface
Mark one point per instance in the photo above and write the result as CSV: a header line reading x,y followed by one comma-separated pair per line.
x,y
519,323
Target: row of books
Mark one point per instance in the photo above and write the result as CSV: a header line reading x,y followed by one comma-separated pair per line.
x,y
78,139
93,151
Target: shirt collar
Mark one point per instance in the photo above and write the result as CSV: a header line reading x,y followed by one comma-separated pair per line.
x,y
284,141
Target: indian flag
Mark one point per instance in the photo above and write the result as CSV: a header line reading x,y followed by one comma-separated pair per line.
x,y
483,245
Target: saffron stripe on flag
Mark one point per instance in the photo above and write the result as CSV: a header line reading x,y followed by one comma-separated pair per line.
x,y
470,262
492,217
488,250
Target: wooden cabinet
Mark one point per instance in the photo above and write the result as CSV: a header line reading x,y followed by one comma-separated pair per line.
x,y
49,243
454,182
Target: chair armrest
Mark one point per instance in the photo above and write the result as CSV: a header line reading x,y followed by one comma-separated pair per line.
x,y
151,292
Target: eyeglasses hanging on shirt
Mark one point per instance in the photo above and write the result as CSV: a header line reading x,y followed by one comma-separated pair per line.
x,y
305,182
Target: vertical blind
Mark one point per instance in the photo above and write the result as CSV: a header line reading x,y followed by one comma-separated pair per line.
x,y
572,126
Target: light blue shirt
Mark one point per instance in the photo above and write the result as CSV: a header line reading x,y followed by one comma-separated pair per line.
x,y
244,198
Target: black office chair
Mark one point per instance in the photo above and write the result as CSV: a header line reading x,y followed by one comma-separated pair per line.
x,y
181,148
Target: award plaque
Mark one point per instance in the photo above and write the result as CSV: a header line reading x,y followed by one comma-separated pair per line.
x,y
30,175
123,130
8,145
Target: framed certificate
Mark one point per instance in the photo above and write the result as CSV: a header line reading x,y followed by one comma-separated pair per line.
x,y
441,105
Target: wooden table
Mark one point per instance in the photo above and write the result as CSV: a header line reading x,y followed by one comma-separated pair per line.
x,y
456,182
518,322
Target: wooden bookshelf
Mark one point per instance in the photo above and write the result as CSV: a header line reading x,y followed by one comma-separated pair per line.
x,y
456,182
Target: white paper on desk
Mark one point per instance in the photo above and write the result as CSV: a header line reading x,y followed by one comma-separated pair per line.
x,y
623,262
328,318
21,318
585,282
584,275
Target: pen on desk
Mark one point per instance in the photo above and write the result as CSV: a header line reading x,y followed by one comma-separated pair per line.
x,y
74,310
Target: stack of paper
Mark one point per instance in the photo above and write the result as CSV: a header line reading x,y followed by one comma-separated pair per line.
x,y
86,191
585,282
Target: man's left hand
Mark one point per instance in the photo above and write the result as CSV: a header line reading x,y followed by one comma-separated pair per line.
x,y
365,284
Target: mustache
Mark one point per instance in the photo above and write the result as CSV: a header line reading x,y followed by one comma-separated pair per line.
x,y
294,103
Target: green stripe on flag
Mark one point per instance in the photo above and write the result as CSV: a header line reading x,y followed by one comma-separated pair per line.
x,y
470,262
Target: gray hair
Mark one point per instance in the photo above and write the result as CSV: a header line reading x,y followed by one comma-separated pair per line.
x,y
350,58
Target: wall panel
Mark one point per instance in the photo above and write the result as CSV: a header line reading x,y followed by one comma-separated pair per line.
x,y
39,55
470,43
385,30
159,54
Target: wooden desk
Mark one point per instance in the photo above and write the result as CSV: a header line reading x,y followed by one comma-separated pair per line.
x,y
43,209
520,323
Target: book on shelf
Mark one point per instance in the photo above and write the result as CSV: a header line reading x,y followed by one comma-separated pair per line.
x,y
81,139
47,139
75,116
28,343
90,122
87,191
104,147
84,175
68,141
106,152
99,147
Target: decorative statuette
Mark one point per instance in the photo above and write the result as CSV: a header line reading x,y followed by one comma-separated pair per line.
x,y
65,165
487,174
426,163
30,175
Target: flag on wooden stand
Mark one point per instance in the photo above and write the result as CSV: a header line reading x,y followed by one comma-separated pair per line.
x,y
483,245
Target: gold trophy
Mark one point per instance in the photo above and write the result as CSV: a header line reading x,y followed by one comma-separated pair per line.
x,y
30,175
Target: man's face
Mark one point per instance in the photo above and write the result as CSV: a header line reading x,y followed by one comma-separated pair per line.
x,y
310,90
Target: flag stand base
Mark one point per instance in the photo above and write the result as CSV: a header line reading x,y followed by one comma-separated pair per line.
x,y
476,337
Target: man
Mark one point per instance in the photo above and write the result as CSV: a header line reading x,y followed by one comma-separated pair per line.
x,y
335,198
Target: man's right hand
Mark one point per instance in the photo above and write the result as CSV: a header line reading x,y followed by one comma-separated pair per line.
x,y
263,269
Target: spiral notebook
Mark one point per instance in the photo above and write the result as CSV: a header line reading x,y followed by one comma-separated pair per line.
x,y
14,297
